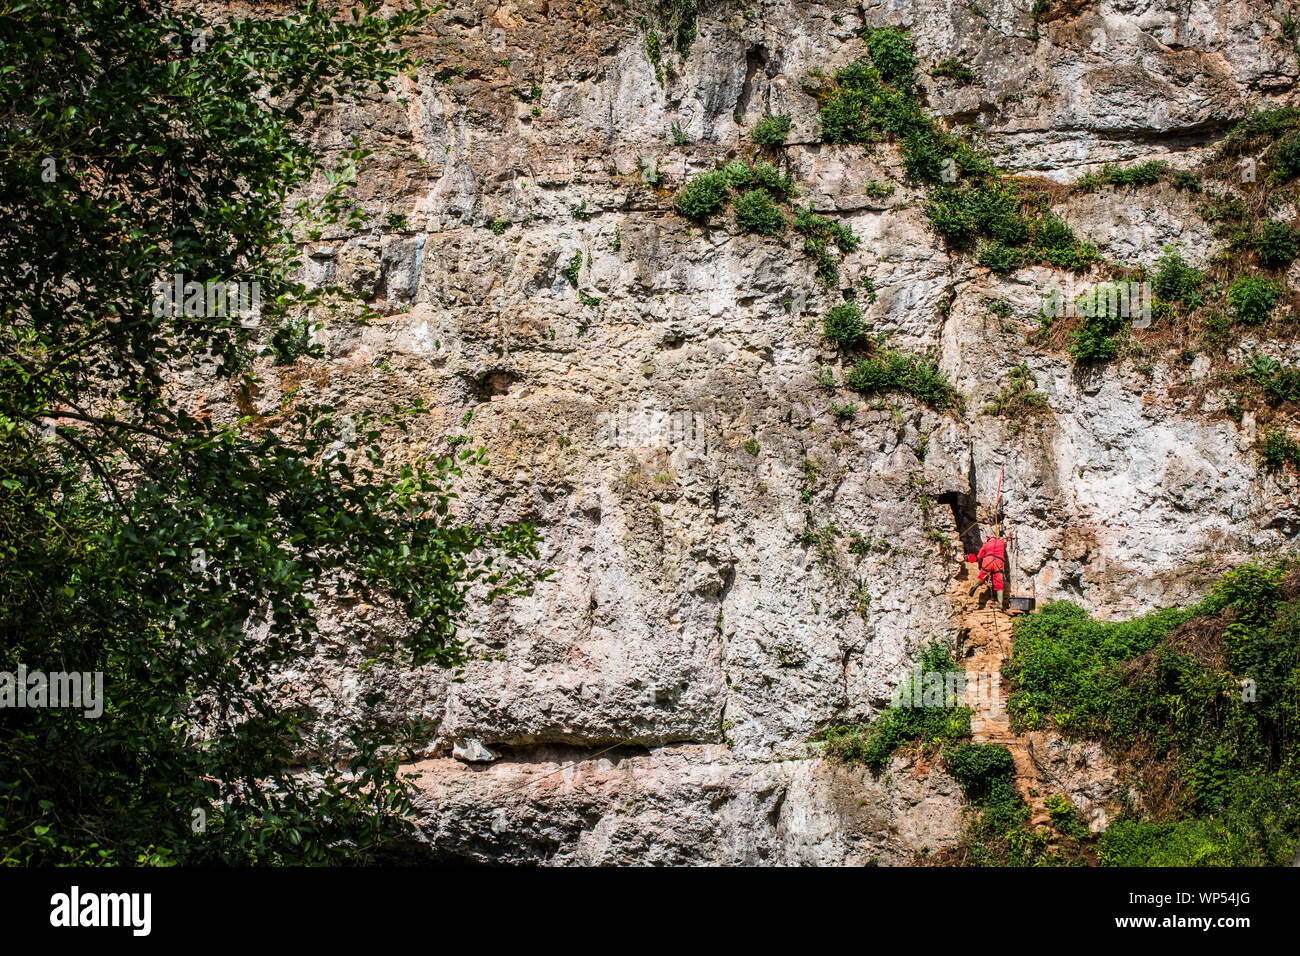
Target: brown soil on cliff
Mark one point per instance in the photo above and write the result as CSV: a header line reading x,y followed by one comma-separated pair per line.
x,y
984,631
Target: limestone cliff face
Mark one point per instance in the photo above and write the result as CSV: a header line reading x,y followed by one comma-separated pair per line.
x,y
647,392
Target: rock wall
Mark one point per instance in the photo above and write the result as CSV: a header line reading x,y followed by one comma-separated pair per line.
x,y
653,702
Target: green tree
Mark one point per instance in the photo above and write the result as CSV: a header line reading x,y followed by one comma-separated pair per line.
x,y
179,555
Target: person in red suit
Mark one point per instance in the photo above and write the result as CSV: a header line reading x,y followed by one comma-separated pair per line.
x,y
992,561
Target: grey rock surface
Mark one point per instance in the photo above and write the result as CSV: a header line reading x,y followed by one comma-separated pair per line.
x,y
653,702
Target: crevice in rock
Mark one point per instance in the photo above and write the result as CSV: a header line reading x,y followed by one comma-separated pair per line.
x,y
1185,137
965,517
492,382
774,814
756,57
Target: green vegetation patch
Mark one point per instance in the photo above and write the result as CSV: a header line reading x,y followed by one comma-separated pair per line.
x,y
820,234
912,719
1098,338
759,193
1211,692
771,130
915,375
1277,381
1276,244
704,195
875,100
845,326
1278,449
1274,134
1019,398
1253,299
1176,281
954,69
1141,174
757,212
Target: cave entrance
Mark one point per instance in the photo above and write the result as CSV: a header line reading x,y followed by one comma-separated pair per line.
x,y
965,519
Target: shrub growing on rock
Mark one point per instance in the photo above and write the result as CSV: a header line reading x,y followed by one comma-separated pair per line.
x,y
999,258
1285,159
771,130
756,212
891,52
1175,280
763,175
900,372
1252,299
907,720
960,214
954,69
704,195
1169,684
844,324
1055,242
979,768
1276,244
1277,448
1280,383
1096,340
825,230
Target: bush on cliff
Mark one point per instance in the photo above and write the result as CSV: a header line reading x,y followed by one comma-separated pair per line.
x,y
1209,693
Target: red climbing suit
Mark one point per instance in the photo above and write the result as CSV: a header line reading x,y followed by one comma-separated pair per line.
x,y
992,561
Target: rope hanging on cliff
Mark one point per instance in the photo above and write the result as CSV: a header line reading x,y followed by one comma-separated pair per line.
x,y
997,502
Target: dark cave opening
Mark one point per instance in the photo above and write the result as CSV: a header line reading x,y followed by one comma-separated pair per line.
x,y
965,519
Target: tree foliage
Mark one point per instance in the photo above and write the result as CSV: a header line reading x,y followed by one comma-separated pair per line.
x,y
184,555
1210,691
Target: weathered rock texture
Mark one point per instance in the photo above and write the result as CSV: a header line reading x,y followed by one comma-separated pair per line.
x,y
653,702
